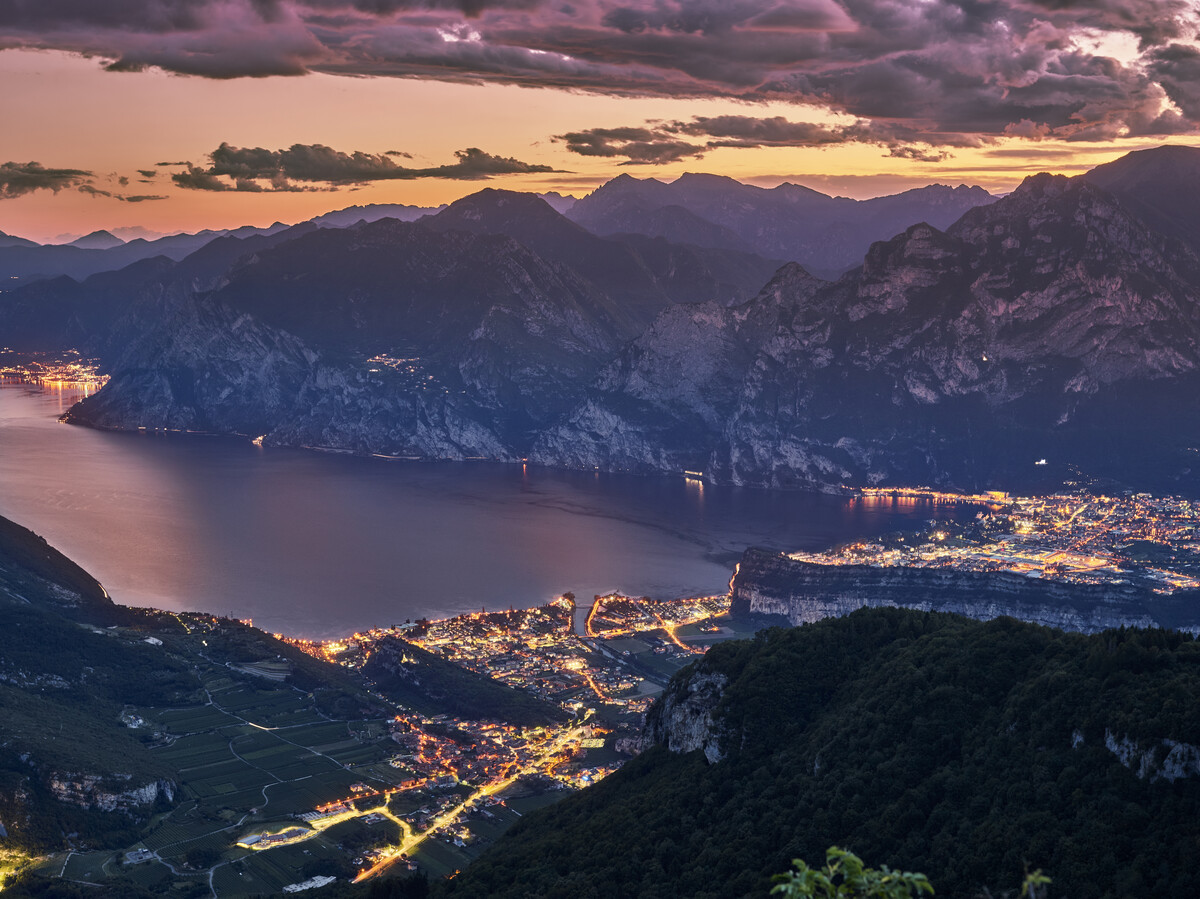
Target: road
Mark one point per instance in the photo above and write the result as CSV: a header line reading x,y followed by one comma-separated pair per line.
x,y
412,840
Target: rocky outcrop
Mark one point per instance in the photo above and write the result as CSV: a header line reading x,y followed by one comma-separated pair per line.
x,y
1167,760
101,793
768,583
682,719
657,407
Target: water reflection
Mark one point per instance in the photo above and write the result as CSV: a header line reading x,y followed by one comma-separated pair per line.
x,y
319,545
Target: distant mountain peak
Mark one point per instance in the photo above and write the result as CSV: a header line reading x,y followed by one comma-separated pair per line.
x,y
560,203
97,240
1043,184
1160,185
828,235
707,178
495,210
499,197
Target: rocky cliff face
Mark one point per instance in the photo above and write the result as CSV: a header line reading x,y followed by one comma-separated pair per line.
x,y
657,407
1052,323
682,719
449,339
768,583
1166,759
109,793
387,338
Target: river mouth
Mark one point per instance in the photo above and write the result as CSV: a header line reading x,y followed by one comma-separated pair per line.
x,y
319,545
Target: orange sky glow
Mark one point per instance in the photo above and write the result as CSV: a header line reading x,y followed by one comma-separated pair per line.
x,y
62,109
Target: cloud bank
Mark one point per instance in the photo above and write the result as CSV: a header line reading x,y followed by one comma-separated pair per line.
x,y
944,71
20,178
317,167
658,142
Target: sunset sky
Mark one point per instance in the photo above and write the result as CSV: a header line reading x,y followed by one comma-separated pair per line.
x,y
175,115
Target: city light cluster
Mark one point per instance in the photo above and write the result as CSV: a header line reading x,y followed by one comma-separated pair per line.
x,y
1081,538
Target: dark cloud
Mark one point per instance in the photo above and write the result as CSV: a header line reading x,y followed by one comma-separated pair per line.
x,y
1153,21
154,16
749,131
963,70
19,178
639,146
247,168
1177,69
171,163
147,173
918,154
667,141
469,8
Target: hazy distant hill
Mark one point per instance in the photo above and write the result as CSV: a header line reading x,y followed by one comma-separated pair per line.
x,y
100,252
97,240
372,212
635,270
825,234
558,202
59,313
925,742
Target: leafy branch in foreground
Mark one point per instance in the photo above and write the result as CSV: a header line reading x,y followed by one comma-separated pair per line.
x,y
860,882
1034,885
857,881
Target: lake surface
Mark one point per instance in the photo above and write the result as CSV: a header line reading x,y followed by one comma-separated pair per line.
x,y
320,545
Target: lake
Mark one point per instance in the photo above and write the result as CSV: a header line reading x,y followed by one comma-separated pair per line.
x,y
319,545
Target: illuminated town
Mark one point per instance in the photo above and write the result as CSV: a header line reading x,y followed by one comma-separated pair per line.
x,y
52,370
442,787
1086,539
290,793
451,777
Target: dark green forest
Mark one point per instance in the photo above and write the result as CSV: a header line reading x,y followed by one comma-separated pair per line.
x,y
925,742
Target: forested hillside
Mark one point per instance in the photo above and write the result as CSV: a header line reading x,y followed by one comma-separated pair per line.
x,y
922,741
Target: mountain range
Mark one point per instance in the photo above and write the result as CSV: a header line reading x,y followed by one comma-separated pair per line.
x,y
1059,324
1053,324
827,235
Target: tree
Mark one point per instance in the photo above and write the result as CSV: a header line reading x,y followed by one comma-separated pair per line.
x,y
859,882
856,880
